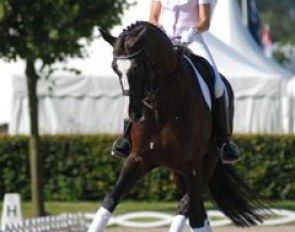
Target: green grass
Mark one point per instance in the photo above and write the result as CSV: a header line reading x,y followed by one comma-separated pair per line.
x,y
55,208
283,204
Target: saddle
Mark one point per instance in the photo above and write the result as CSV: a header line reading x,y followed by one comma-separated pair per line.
x,y
202,65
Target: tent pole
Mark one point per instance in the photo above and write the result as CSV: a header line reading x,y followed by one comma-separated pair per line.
x,y
244,4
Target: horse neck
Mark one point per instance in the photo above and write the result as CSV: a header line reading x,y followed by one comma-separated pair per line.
x,y
170,97
168,61
182,95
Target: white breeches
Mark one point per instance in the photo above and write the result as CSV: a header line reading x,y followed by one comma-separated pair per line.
x,y
199,48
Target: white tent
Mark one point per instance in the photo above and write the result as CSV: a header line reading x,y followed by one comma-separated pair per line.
x,y
7,71
228,27
70,105
258,105
90,103
65,109
60,96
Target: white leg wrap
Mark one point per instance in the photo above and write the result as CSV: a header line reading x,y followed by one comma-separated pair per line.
x,y
206,228
100,220
178,223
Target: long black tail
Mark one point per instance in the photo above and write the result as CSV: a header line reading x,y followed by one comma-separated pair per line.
x,y
234,197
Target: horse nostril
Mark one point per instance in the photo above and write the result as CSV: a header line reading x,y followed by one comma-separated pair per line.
x,y
135,116
135,110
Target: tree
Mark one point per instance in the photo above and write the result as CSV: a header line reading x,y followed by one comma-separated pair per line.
x,y
48,31
280,16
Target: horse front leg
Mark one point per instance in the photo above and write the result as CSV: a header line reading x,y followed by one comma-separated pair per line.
x,y
191,186
197,215
191,206
197,182
179,220
133,170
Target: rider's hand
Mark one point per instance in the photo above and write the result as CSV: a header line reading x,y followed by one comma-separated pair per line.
x,y
188,36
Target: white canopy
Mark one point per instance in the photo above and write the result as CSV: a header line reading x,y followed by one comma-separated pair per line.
x,y
92,103
96,65
227,26
7,70
70,105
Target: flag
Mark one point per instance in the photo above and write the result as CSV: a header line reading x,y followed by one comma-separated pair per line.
x,y
253,20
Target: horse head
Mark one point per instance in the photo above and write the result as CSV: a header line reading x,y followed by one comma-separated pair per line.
x,y
142,57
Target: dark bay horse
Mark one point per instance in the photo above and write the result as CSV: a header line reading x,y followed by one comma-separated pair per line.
x,y
172,128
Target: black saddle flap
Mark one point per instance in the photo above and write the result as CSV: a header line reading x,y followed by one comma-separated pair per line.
x,y
203,66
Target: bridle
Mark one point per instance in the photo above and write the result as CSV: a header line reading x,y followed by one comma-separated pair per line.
x,y
151,94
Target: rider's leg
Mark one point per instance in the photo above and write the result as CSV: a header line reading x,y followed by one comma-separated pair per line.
x,y
229,151
122,146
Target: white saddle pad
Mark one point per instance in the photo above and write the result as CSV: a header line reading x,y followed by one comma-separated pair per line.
x,y
204,87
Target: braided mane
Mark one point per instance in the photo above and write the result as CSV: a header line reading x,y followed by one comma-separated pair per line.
x,y
136,24
129,29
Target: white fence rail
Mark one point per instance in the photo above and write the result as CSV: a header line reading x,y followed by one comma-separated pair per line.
x,y
80,222
61,223
217,218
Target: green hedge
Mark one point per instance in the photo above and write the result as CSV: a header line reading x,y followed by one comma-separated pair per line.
x,y
80,168
269,164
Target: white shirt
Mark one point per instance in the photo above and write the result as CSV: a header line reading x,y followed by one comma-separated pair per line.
x,y
178,15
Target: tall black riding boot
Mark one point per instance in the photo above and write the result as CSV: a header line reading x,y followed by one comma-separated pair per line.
x,y
121,146
229,152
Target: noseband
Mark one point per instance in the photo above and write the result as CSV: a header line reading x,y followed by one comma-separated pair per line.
x,y
129,56
152,94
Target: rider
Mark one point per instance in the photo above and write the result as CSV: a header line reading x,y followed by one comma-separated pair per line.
x,y
186,20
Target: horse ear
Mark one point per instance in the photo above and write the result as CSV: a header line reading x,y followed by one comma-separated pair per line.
x,y
107,36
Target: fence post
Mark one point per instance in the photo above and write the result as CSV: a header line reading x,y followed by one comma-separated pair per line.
x,y
11,211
